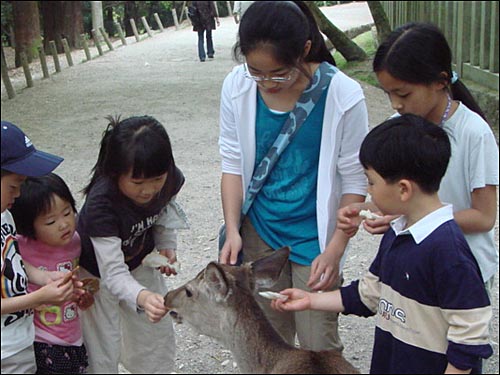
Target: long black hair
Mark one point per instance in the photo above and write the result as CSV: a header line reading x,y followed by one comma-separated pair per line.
x,y
138,144
419,53
285,26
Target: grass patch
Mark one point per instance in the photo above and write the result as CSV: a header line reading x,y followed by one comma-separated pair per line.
x,y
360,70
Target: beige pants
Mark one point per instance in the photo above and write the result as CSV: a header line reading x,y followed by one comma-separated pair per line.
x,y
316,330
20,363
113,332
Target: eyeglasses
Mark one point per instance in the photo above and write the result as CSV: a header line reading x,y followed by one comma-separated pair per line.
x,y
278,79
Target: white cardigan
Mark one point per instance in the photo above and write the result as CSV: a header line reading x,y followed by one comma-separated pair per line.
x,y
345,124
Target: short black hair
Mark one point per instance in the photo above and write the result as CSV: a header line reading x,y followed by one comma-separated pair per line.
x,y
37,197
410,147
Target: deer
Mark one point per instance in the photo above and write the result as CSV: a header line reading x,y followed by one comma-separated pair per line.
x,y
219,302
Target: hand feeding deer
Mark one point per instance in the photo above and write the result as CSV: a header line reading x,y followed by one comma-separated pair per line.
x,y
219,303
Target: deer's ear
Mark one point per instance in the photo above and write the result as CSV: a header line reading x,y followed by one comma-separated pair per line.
x,y
266,271
216,280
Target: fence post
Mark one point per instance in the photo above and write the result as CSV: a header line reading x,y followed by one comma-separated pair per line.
x,y
96,42
85,47
120,32
67,51
229,10
53,49
43,62
6,81
106,39
158,22
146,26
176,21
134,29
26,69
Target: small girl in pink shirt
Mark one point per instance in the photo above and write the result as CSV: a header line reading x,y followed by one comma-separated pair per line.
x,y
45,216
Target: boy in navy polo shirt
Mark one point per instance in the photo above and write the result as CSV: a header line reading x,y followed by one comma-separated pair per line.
x,y
424,285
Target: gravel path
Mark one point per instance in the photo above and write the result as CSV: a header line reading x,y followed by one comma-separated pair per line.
x,y
162,77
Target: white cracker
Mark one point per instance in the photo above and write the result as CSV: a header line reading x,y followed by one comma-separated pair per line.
x,y
273,295
367,214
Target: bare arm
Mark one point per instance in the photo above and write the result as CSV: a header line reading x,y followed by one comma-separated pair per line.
x,y
482,215
232,197
327,263
50,294
300,300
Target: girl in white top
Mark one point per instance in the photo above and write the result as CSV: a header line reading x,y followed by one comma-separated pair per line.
x,y
413,67
282,47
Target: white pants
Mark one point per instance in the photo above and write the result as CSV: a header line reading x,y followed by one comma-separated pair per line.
x,y
113,332
20,363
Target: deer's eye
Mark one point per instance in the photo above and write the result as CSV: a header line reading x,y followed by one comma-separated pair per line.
x,y
188,293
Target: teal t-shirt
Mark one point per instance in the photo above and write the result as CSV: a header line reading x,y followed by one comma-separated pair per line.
x,y
284,211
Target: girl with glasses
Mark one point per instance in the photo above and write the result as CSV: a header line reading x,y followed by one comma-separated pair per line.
x,y
317,173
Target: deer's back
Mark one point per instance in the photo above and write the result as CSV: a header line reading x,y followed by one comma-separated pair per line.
x,y
309,362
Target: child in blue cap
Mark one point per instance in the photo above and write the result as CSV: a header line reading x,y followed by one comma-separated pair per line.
x,y
21,159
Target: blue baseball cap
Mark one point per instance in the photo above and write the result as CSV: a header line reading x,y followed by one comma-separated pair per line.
x,y
21,157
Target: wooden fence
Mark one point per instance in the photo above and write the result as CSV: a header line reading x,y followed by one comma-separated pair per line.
x,y
98,36
471,28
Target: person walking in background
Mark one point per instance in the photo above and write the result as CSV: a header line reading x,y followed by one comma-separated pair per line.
x,y
45,215
318,172
207,15
424,285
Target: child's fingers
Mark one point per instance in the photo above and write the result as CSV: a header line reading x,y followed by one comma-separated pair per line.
x,y
68,276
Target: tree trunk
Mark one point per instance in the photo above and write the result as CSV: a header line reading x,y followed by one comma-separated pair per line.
x,y
97,15
73,22
26,29
381,21
346,47
130,11
62,19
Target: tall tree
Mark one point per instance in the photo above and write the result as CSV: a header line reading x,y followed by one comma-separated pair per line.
x,y
130,11
62,19
346,47
26,29
381,21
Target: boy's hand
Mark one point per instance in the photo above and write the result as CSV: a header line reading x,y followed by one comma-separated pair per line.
x,y
379,225
298,300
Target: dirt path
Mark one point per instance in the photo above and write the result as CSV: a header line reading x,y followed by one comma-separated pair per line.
x,y
162,77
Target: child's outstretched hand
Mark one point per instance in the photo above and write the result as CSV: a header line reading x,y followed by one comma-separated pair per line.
x,y
298,300
153,305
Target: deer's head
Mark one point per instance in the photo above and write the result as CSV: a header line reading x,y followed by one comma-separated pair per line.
x,y
220,293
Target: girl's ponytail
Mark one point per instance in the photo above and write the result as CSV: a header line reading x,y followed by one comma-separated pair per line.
x,y
97,170
460,92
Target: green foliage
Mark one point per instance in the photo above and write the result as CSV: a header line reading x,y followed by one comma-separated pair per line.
x,y
361,70
6,21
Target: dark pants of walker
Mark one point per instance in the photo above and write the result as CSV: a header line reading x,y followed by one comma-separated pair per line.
x,y
201,44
